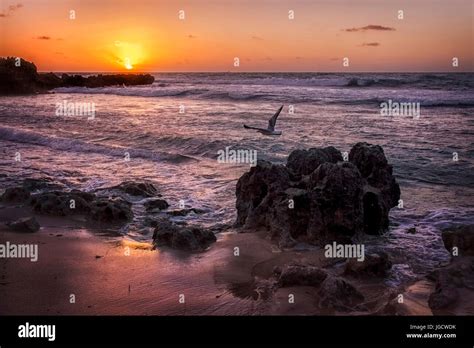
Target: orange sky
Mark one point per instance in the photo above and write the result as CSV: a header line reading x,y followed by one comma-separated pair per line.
x,y
108,35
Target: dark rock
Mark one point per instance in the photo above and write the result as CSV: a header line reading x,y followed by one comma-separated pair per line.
x,y
26,224
106,80
304,162
459,274
115,79
443,297
160,204
62,203
111,210
144,189
184,212
17,79
293,275
255,190
374,265
330,199
336,212
49,81
182,237
33,184
381,191
15,194
461,237
450,280
339,294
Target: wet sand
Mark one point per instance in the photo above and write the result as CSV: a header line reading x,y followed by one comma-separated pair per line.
x,y
112,275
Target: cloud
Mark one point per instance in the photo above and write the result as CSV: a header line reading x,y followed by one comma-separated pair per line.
x,y
258,38
10,10
370,44
43,37
370,27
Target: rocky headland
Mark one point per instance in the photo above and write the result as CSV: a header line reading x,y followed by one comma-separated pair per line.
x,y
20,77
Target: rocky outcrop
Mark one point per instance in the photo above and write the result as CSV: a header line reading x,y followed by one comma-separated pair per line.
x,y
106,80
317,197
458,276
304,162
15,195
381,191
111,210
62,203
18,76
182,237
460,237
26,224
103,209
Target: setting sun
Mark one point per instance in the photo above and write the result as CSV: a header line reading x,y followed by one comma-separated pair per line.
x,y
127,64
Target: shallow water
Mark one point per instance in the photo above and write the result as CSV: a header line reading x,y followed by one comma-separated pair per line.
x,y
178,151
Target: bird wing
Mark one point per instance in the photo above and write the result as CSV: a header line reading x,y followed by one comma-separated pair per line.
x,y
272,121
256,128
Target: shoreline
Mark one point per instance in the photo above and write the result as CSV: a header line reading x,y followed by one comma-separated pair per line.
x,y
105,280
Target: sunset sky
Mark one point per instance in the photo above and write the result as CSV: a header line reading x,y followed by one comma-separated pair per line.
x,y
148,35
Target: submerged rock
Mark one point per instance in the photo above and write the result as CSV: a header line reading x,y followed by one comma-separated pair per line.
x,y
160,204
374,265
183,237
317,197
295,275
15,195
184,212
26,224
33,184
144,189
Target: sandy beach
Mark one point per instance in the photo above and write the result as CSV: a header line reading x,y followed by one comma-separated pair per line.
x,y
112,275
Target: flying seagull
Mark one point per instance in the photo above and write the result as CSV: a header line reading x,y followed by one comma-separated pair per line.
x,y
271,125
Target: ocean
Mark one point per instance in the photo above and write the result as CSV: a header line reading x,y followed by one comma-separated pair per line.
x,y
171,132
